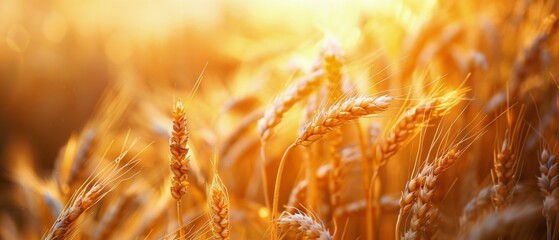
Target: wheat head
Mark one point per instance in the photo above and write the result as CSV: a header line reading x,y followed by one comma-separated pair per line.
x,y
180,167
340,113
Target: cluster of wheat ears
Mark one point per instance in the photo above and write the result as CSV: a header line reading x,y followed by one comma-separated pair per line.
x,y
457,139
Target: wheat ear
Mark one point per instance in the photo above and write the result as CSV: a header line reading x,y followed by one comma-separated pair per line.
x,y
505,175
83,202
548,182
219,209
412,120
294,94
302,226
179,159
274,114
89,194
505,163
422,195
340,113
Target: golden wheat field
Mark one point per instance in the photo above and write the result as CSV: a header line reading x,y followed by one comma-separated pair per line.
x,y
223,119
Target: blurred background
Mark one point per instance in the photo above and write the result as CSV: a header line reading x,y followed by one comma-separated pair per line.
x,y
58,57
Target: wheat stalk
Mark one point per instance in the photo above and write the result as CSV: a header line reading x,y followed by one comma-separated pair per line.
x,y
179,152
84,201
335,116
340,113
273,115
302,226
219,209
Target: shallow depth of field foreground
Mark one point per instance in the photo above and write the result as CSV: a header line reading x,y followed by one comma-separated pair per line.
x,y
224,119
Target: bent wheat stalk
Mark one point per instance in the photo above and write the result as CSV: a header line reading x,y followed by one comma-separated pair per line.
x,y
338,114
273,115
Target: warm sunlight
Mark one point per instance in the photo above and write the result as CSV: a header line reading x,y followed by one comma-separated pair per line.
x,y
279,119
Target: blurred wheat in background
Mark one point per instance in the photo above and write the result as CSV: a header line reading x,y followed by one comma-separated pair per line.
x,y
225,119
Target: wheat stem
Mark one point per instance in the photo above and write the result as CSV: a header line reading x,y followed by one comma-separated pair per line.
x,y
264,174
277,186
366,168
